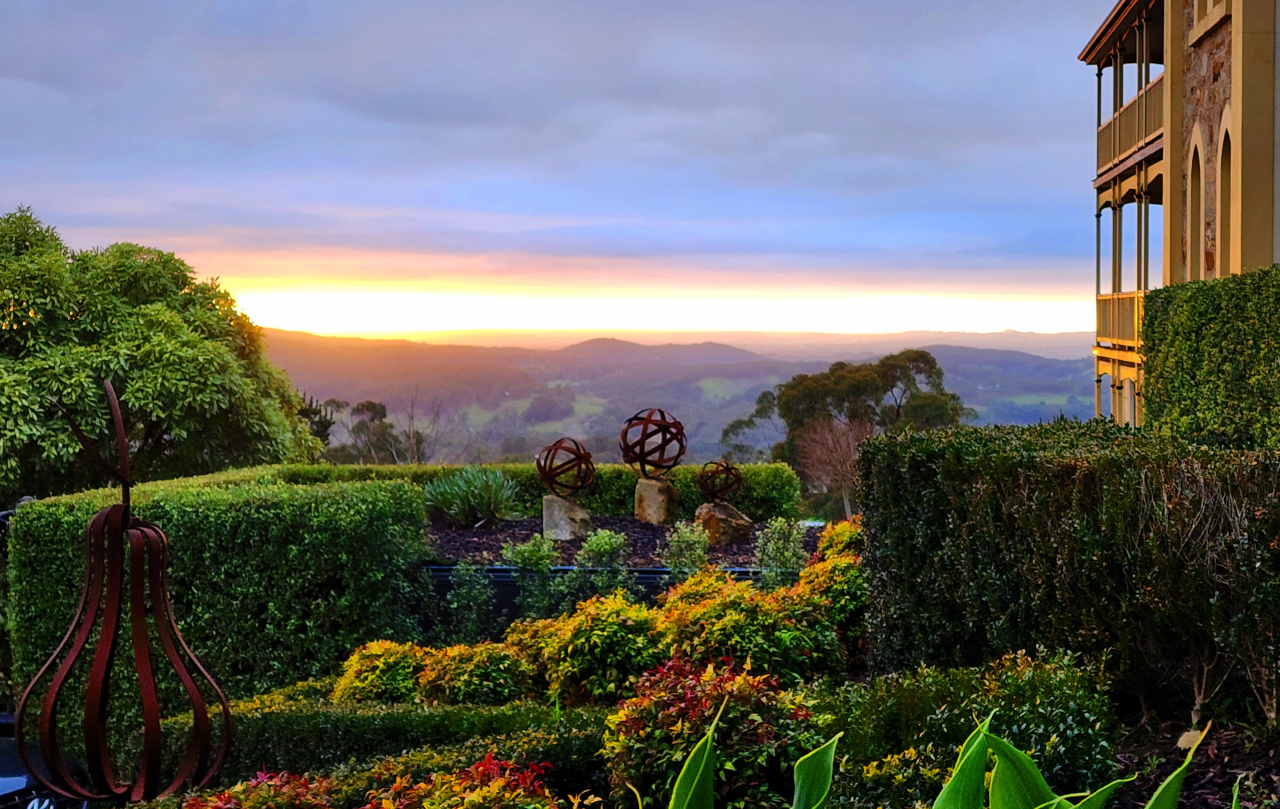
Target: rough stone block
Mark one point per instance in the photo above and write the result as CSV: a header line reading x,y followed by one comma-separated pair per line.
x,y
657,501
724,524
563,519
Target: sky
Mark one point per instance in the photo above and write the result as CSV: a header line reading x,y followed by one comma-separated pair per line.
x,y
399,167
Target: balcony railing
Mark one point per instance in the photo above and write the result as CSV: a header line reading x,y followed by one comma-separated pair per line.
x,y
1120,319
1134,126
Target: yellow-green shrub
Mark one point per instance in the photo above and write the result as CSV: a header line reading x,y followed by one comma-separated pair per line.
x,y
841,538
596,652
837,584
784,632
483,674
382,671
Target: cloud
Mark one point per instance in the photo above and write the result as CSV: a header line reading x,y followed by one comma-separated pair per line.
x,y
933,138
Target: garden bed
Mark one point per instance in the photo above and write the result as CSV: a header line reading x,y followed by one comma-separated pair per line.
x,y
1228,752
645,542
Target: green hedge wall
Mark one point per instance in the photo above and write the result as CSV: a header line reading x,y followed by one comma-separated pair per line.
x,y
297,729
1079,536
271,584
1213,359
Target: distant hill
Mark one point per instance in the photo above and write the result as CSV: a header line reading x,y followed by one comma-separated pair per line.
x,y
511,400
803,346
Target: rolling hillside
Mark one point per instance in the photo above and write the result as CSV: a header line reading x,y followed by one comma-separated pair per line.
x,y
509,401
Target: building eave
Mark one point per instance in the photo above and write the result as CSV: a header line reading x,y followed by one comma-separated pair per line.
x,y
1120,18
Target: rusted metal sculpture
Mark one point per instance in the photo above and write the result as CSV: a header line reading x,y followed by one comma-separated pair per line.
x,y
652,441
719,480
116,543
565,467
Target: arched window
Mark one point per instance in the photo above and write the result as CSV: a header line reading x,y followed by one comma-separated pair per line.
x,y
1195,218
1225,212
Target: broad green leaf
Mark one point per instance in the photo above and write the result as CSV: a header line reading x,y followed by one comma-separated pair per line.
x,y
1170,791
1235,793
813,776
1098,800
968,783
1016,782
695,788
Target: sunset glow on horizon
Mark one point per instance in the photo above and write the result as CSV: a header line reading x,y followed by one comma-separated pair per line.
x,y
419,167
359,312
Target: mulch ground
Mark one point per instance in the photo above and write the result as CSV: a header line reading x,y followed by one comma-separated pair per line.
x,y
645,542
1228,753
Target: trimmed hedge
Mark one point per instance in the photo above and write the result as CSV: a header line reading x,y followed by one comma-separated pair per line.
x,y
299,730
768,491
571,745
270,584
1212,359
1078,536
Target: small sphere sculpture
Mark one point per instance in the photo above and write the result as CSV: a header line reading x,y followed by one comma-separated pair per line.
x,y
719,480
652,442
565,467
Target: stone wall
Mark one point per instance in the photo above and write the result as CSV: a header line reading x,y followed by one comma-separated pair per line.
x,y
1206,93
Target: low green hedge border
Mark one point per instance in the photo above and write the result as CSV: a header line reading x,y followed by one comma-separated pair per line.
x,y
570,744
271,584
1078,536
768,491
299,730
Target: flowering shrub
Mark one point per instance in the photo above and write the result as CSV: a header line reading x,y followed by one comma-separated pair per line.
x,y
484,674
784,632
841,538
268,791
762,731
382,671
598,651
487,784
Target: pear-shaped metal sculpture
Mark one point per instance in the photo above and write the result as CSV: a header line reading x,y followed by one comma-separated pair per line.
x,y
115,543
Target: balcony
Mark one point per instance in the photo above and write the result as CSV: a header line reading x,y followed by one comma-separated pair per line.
x,y
1120,320
1137,124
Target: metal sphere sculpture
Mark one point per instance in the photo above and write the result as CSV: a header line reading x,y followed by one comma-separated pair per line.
x,y
116,541
719,480
652,442
565,467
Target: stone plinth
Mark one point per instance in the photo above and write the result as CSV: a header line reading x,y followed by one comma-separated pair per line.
x,y
563,519
724,524
657,501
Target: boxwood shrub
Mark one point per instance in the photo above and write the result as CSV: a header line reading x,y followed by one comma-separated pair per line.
x,y
299,729
1079,536
271,584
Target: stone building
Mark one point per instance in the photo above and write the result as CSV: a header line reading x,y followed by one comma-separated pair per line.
x,y
1186,186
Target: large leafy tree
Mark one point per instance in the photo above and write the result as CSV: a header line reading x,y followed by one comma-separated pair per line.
x,y
900,391
197,392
